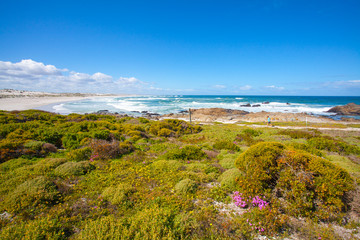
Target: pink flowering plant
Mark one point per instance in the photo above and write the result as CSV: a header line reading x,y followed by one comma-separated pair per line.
x,y
256,201
256,207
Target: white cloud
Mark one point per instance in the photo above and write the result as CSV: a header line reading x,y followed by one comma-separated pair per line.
x,y
32,75
343,84
219,86
245,88
275,87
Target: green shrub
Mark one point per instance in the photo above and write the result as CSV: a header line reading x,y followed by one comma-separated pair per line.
x,y
251,132
228,178
188,152
227,163
179,127
101,134
186,186
40,228
226,145
329,144
165,166
164,132
126,147
72,140
49,135
259,163
34,145
308,185
78,155
247,138
119,195
149,223
73,169
31,193
307,148
296,134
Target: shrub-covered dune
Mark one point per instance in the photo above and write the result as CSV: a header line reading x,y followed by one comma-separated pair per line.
x,y
111,177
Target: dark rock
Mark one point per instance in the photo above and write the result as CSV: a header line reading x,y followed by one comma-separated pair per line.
x,y
288,103
245,105
102,112
348,109
256,105
265,103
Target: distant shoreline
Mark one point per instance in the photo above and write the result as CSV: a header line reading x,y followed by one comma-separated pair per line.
x,y
11,100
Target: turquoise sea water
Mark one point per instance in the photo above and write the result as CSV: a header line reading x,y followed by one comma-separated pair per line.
x,y
176,103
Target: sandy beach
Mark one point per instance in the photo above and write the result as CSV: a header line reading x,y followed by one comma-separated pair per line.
x,y
11,100
24,103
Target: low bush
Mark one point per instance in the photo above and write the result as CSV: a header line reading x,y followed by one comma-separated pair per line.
x,y
78,155
247,138
251,132
105,150
307,148
331,145
228,179
188,152
227,145
296,134
73,169
186,186
119,195
40,228
178,127
34,192
126,147
34,145
227,163
308,185
165,166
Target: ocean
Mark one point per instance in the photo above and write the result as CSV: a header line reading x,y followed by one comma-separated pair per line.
x,y
134,105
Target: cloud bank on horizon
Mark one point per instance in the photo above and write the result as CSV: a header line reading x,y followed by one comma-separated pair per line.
x,y
36,76
31,75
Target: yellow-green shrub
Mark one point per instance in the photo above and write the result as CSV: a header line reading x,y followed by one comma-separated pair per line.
x,y
308,185
40,228
188,152
119,195
81,154
226,145
228,178
186,186
73,169
177,126
165,166
31,193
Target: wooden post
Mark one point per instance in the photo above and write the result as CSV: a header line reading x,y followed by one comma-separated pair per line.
x,y
190,114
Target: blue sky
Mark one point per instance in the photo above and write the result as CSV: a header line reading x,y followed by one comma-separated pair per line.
x,y
274,47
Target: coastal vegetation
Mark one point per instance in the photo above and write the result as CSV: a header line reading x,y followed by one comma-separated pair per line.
x,y
112,177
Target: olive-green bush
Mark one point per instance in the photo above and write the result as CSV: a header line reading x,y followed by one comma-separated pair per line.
x,y
81,154
308,185
73,169
228,179
188,152
186,186
119,195
31,193
227,145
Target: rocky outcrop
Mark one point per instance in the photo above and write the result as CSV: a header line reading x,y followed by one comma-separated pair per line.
x,y
209,115
348,109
